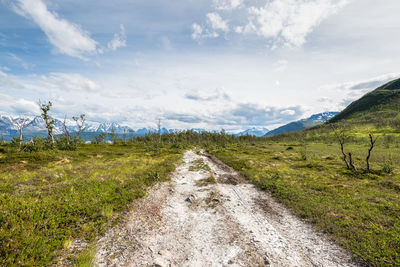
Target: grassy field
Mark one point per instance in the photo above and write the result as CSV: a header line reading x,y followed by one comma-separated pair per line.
x,y
359,211
50,199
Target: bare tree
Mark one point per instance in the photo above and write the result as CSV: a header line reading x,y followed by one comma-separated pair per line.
x,y
45,108
341,137
159,130
66,131
80,122
124,136
20,124
371,146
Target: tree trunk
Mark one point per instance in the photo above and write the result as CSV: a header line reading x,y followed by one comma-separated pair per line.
x,y
344,156
351,163
372,143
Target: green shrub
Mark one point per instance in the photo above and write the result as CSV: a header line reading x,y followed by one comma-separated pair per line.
x,y
37,144
64,143
387,167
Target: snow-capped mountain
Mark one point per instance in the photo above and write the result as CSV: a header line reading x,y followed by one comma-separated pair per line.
x,y
5,122
254,131
37,125
109,127
322,116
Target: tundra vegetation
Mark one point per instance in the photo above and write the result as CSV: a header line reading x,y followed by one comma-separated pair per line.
x,y
57,192
52,198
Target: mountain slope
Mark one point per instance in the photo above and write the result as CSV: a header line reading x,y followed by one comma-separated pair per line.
x,y
313,120
381,104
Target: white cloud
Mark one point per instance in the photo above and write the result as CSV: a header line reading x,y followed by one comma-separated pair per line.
x,y
281,22
345,93
288,112
119,39
216,22
197,31
69,82
288,22
22,106
364,85
67,37
4,68
19,60
7,81
218,94
227,4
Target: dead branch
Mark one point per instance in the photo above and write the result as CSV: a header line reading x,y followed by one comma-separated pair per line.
x,y
371,146
351,162
20,125
66,132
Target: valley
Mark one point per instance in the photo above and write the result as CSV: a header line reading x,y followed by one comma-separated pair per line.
x,y
202,198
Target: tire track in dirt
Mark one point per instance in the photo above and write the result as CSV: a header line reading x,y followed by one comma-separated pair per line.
x,y
228,223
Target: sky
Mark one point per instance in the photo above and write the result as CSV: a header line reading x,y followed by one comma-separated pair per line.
x,y
213,64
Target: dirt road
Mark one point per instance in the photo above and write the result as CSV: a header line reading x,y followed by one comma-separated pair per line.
x,y
192,221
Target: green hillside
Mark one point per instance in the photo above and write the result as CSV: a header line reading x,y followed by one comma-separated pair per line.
x,y
377,112
380,107
291,127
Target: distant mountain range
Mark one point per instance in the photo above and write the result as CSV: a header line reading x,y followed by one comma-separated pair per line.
x,y
254,131
315,119
36,126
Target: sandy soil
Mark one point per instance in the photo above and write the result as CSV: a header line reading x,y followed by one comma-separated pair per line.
x,y
228,223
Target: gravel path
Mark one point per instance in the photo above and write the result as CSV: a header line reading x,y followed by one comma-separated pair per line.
x,y
227,223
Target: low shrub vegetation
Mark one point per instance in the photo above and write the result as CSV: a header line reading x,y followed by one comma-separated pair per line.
x,y
360,211
50,198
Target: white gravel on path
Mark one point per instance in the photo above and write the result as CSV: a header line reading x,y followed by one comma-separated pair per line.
x,y
230,223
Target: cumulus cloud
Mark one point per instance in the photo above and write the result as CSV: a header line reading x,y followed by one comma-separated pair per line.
x,y
216,22
281,22
214,25
288,22
67,37
119,39
197,31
